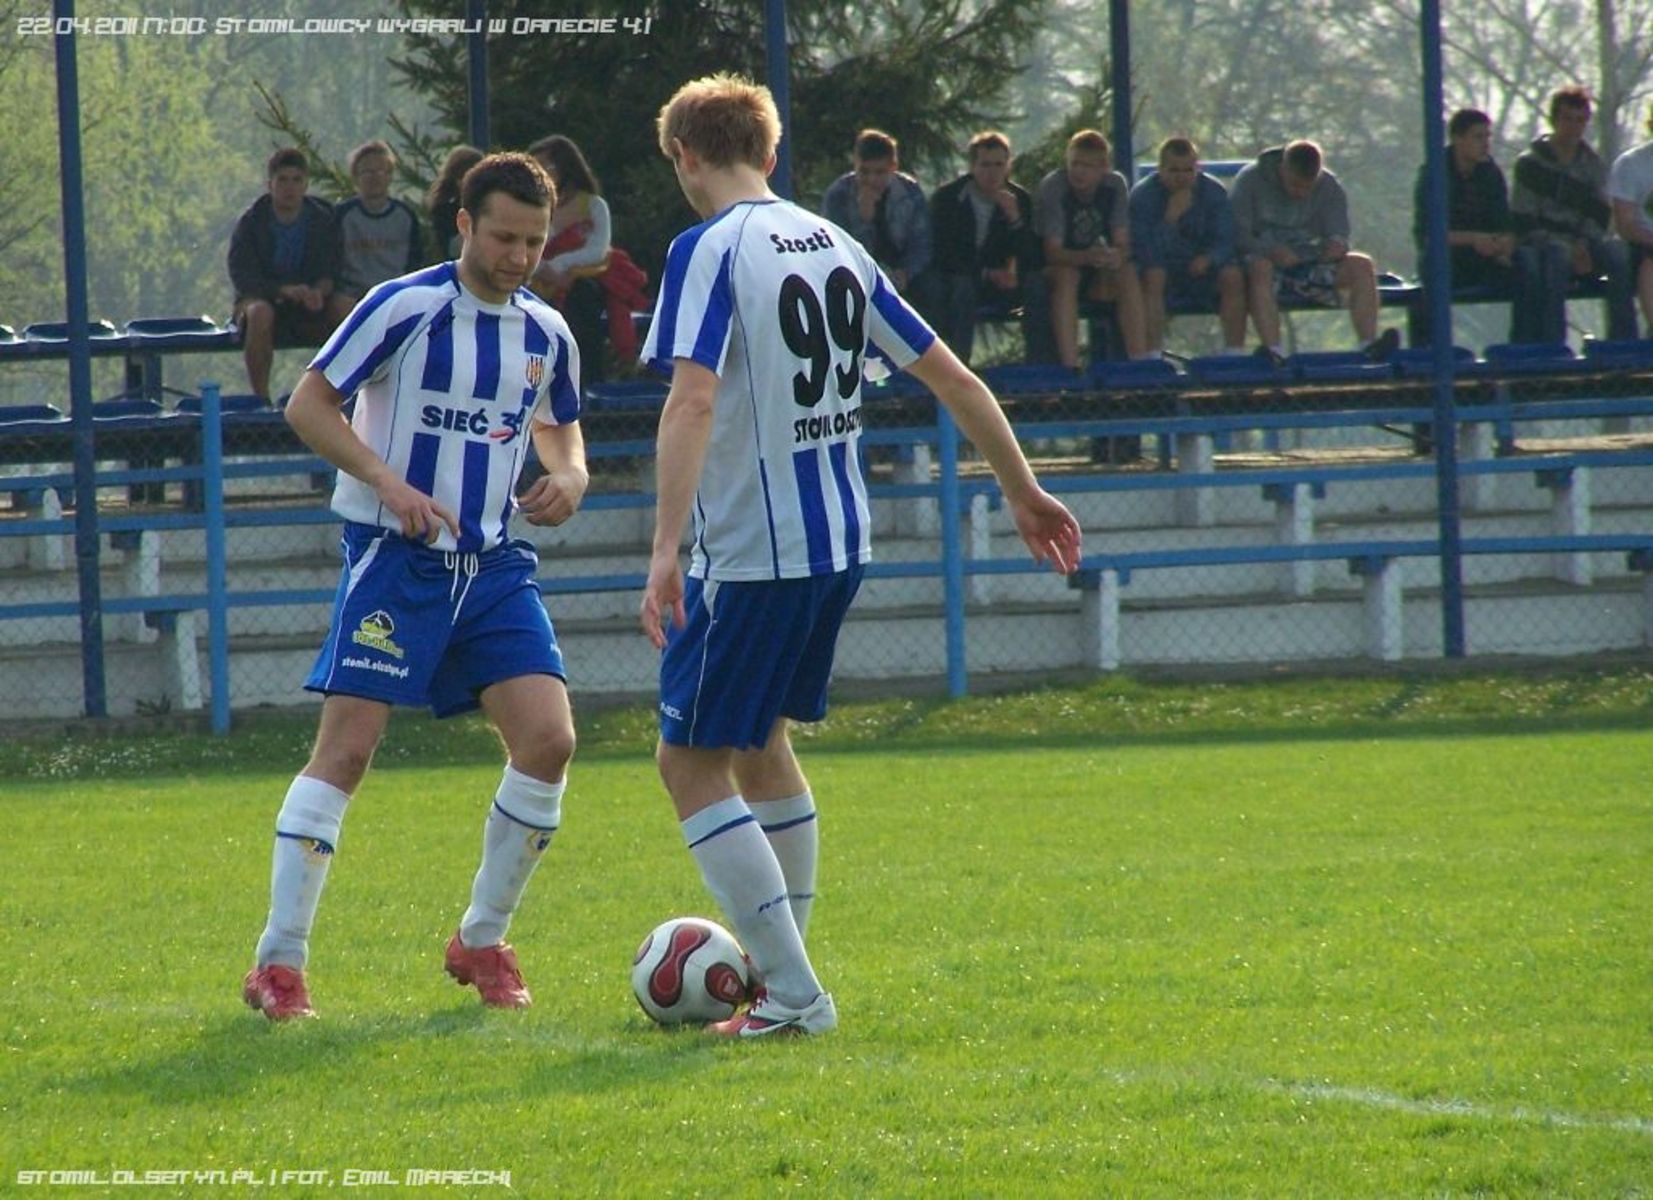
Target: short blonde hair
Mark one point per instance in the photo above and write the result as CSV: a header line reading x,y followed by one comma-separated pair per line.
x,y
1090,141
727,120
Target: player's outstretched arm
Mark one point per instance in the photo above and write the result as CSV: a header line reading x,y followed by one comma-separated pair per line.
x,y
1047,527
556,495
313,412
685,429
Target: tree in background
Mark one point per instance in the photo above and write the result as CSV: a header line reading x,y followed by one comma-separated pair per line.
x,y
1241,75
928,71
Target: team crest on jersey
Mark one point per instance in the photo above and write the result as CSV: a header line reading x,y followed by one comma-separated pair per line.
x,y
535,370
375,632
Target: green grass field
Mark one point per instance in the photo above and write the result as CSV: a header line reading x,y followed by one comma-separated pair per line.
x,y
1306,939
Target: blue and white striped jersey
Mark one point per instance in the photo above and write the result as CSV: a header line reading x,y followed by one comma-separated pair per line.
x,y
445,384
783,306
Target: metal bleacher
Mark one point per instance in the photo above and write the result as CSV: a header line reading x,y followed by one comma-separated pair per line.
x,y
1172,505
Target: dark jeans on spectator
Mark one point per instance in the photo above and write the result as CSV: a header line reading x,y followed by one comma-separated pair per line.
x,y
957,298
1611,259
585,308
1536,283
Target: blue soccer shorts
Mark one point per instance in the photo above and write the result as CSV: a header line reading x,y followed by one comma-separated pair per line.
x,y
417,626
749,654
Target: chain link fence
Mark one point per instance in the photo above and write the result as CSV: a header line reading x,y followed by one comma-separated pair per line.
x,y
1234,512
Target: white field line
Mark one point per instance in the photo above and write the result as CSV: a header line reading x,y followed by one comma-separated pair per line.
x,y
1373,1098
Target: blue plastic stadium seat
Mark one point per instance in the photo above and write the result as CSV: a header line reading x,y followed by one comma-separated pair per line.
x,y
1531,358
171,326
1145,373
1014,379
1626,352
125,408
626,395
234,402
17,413
58,331
1418,362
897,383
1235,369
1337,366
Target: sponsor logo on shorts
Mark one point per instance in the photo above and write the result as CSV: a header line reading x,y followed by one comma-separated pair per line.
x,y
374,664
672,712
375,633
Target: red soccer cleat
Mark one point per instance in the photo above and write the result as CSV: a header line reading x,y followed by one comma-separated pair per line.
x,y
278,992
494,971
770,1018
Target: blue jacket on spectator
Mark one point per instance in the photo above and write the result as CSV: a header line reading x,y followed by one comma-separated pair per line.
x,y
1206,228
898,236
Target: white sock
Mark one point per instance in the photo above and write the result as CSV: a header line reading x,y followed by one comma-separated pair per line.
x,y
1278,350
1148,356
524,815
794,836
1229,351
307,830
745,879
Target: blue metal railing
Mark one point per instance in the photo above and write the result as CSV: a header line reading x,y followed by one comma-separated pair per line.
x,y
951,490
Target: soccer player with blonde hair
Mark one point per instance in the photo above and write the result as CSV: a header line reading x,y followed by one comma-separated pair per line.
x,y
765,317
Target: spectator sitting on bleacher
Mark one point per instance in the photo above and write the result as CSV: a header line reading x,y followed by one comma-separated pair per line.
x,y
379,235
1182,230
1560,195
283,259
1630,188
442,201
1081,214
1480,235
885,210
985,252
1291,229
595,284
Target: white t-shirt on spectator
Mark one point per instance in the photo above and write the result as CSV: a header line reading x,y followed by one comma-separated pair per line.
x,y
1631,180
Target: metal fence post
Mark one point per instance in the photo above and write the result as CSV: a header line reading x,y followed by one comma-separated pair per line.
x,y
212,491
952,553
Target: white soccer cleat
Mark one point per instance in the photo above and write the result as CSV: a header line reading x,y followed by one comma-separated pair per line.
x,y
770,1018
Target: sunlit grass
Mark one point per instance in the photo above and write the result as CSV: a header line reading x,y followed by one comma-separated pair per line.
x,y
1242,963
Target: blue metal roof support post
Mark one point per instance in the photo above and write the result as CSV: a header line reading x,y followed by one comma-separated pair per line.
x,y
218,618
951,500
1438,284
1119,50
476,70
778,68
94,699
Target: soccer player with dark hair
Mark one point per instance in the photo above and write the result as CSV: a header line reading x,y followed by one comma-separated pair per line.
x,y
453,368
766,314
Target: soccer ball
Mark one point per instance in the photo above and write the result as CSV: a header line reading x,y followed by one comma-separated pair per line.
x,y
690,969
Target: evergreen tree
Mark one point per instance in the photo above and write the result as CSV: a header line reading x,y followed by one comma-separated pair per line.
x,y
928,71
